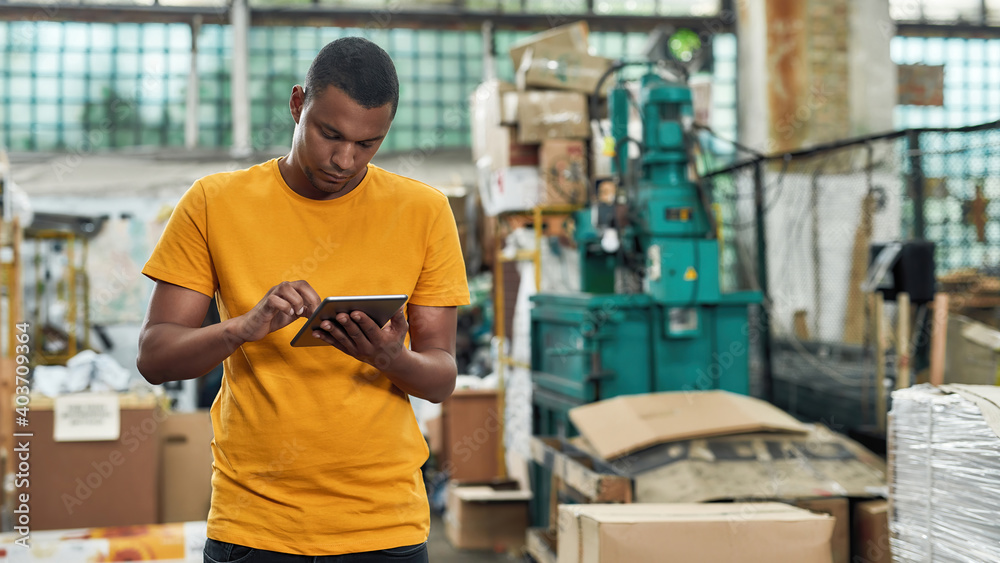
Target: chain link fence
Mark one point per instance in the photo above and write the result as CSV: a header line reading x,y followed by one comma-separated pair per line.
x,y
810,219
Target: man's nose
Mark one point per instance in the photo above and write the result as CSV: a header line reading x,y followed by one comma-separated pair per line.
x,y
343,155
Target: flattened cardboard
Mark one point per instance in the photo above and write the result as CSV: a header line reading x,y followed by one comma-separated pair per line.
x,y
626,424
764,466
734,533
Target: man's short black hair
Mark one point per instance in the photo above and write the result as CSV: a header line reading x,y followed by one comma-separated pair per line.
x,y
359,68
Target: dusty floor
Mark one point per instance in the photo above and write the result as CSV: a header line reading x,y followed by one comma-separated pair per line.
x,y
440,551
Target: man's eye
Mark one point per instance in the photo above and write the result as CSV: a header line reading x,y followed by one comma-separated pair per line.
x,y
367,145
331,136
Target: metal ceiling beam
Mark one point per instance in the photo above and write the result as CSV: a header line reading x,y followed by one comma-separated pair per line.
x,y
956,29
322,16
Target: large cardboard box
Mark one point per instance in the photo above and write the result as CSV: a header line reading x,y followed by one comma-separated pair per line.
x,y
734,533
840,509
563,168
186,471
471,427
559,58
491,517
551,114
76,484
574,71
572,37
870,537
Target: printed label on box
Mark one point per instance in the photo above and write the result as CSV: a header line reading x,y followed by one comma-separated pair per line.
x,y
87,418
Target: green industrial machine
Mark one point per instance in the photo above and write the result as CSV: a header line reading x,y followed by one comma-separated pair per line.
x,y
675,330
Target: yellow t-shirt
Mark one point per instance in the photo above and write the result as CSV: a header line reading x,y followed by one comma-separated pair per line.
x,y
316,453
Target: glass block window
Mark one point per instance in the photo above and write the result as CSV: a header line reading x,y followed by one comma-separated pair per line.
x,y
971,80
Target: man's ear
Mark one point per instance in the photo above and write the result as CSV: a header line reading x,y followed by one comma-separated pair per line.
x,y
296,102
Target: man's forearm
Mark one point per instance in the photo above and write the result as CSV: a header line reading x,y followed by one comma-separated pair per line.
x,y
429,374
172,352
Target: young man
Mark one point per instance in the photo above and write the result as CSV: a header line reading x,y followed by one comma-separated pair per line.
x,y
317,452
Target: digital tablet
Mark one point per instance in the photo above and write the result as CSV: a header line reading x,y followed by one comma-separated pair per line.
x,y
380,308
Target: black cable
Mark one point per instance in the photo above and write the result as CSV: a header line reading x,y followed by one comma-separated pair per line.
x,y
596,96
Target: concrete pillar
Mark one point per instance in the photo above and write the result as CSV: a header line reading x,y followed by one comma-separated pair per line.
x,y
240,20
813,71
192,101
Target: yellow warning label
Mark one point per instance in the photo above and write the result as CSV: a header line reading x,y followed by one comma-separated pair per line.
x,y
691,274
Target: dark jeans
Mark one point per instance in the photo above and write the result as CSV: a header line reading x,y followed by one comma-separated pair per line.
x,y
222,552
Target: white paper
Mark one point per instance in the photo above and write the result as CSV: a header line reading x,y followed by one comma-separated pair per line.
x,y
87,417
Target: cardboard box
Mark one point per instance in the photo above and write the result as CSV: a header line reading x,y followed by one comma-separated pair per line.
x,y
508,189
572,37
839,508
435,437
504,151
973,352
563,168
734,533
492,135
573,71
96,483
186,471
626,424
472,432
8,377
551,114
870,537
559,58
493,517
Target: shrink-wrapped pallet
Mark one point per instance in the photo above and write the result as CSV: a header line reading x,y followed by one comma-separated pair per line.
x,y
944,474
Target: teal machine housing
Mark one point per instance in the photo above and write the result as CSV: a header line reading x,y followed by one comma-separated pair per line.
x,y
681,332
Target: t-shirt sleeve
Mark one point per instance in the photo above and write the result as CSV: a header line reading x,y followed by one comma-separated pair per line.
x,y
182,255
442,281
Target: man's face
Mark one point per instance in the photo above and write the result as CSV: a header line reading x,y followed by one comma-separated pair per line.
x,y
334,140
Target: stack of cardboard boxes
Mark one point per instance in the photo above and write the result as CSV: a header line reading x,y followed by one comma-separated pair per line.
x,y
530,141
484,510
668,453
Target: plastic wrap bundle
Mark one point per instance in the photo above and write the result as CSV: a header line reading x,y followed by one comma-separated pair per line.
x,y
944,459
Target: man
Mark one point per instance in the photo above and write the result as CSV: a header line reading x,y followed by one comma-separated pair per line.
x,y
317,452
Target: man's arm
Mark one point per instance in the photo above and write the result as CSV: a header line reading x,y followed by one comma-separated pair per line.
x,y
174,346
426,369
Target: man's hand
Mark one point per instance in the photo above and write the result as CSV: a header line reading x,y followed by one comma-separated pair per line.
x,y
358,336
283,304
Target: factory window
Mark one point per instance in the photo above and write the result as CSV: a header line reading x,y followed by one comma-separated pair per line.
x,y
968,92
82,87
88,86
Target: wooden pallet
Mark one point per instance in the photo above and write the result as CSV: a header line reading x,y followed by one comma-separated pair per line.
x,y
575,478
